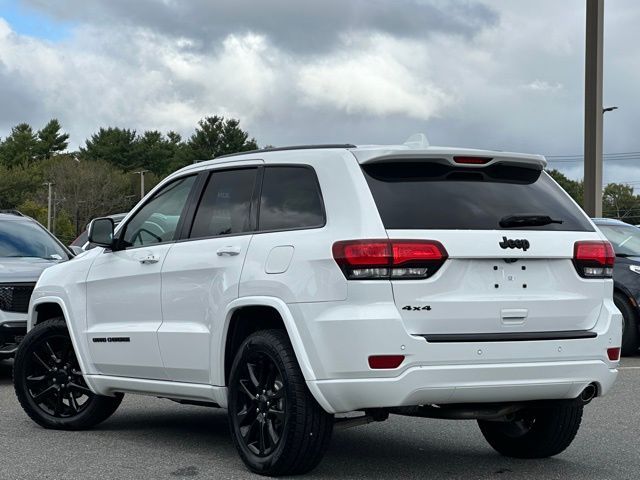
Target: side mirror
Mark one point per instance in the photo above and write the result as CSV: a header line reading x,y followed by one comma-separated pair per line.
x,y
101,232
76,250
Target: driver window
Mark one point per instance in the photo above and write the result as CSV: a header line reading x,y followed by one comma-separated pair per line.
x,y
157,221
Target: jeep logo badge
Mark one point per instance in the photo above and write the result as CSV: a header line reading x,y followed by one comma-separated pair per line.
x,y
519,243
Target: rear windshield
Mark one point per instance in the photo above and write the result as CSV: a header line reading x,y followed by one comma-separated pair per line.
x,y
430,195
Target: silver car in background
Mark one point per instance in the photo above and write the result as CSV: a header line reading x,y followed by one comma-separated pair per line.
x,y
26,249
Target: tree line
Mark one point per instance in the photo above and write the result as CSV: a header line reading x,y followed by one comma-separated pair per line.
x,y
99,179
618,200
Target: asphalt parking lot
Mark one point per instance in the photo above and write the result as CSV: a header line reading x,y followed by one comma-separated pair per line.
x,y
153,438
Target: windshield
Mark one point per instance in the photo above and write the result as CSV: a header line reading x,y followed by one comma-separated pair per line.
x,y
625,239
28,239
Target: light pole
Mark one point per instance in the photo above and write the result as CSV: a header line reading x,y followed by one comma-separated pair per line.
x,y
593,110
50,185
141,173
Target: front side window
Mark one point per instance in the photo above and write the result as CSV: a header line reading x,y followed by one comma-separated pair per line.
x,y
157,221
290,199
226,204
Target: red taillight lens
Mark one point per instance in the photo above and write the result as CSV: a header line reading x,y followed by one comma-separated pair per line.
x,y
366,253
389,259
594,259
471,160
613,354
385,361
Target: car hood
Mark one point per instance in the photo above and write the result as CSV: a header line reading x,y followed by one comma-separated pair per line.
x,y
23,269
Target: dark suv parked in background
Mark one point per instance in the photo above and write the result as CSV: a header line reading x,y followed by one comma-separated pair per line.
x,y
26,249
625,240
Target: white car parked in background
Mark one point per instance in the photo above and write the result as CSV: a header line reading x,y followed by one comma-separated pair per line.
x,y
290,285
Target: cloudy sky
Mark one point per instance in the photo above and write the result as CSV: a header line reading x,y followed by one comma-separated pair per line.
x,y
501,74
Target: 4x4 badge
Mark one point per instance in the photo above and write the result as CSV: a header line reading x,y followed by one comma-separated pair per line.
x,y
520,243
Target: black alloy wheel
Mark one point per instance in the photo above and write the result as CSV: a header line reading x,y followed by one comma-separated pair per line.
x,y
276,424
261,406
54,380
49,383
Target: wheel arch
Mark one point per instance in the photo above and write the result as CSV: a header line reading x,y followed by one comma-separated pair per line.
x,y
621,289
239,323
287,322
45,308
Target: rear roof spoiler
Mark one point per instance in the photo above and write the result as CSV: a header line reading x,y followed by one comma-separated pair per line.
x,y
402,153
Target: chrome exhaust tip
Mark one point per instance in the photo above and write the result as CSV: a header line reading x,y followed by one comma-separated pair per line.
x,y
588,393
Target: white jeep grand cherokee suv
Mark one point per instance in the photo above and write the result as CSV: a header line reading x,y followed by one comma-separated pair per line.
x,y
290,285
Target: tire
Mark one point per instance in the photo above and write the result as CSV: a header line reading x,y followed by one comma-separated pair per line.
x,y
45,360
279,429
630,340
537,432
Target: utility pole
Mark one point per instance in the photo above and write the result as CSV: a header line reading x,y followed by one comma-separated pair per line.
x,y
141,173
50,185
593,111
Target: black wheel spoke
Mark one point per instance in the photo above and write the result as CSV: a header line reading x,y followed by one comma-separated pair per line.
x,y
263,444
59,406
244,389
47,392
36,378
277,414
73,402
252,375
41,362
79,388
272,432
52,354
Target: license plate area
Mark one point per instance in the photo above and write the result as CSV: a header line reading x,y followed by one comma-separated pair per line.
x,y
513,275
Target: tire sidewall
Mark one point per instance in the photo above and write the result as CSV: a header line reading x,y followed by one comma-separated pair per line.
x,y
629,324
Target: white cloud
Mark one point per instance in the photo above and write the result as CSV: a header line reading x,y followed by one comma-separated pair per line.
x,y
380,79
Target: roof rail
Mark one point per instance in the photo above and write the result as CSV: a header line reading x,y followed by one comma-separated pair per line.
x,y
17,213
291,147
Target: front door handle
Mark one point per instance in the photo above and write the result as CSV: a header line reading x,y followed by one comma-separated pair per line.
x,y
228,251
149,259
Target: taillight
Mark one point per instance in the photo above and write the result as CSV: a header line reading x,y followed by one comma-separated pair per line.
x,y
471,160
594,259
389,259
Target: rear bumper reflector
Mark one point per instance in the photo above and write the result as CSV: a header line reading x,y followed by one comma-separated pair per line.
x,y
508,336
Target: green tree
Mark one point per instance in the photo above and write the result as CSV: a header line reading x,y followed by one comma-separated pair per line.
x,y
216,136
157,152
20,147
51,139
117,146
574,188
619,201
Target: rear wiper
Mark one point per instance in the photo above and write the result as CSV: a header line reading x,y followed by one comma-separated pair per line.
x,y
510,221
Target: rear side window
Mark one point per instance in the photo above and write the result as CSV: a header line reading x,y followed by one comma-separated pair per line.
x,y
225,207
290,199
430,195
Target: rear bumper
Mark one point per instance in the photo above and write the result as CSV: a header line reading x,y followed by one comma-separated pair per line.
x,y
338,340
509,382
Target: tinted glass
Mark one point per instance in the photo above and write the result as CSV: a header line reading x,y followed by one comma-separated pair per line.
x,y
226,204
28,239
625,239
428,195
157,221
290,199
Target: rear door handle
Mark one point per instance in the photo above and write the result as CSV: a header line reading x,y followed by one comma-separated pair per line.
x,y
229,251
149,259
